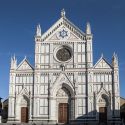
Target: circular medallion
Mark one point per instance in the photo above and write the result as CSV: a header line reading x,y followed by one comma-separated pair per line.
x,y
63,34
64,53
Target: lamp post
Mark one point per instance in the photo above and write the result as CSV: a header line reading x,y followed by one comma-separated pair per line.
x,y
0,110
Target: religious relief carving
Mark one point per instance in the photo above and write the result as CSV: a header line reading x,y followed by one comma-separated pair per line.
x,y
62,67
63,34
102,100
54,37
62,79
73,37
62,93
23,102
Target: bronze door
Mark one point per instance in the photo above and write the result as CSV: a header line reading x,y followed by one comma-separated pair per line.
x,y
63,113
102,114
24,114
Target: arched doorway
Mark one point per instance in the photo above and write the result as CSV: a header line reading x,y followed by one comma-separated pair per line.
x,y
103,108
63,99
22,109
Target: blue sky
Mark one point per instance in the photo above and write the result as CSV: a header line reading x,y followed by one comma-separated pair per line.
x,y
18,20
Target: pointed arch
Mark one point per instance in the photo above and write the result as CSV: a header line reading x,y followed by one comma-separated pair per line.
x,y
23,92
62,81
103,100
103,92
22,101
63,92
55,89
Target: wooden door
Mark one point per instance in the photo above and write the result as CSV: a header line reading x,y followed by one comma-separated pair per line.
x,y
103,114
63,113
24,114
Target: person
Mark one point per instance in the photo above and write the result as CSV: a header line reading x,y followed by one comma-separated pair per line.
x,y
0,110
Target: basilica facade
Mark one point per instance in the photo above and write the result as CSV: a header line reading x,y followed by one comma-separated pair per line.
x,y
64,85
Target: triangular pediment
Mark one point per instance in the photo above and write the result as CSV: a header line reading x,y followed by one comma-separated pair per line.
x,y
62,81
63,78
102,63
75,32
102,92
24,65
56,35
24,92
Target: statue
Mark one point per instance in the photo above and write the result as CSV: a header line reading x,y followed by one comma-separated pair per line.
x,y
38,31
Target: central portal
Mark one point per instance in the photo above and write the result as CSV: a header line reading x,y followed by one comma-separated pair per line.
x,y
63,113
64,104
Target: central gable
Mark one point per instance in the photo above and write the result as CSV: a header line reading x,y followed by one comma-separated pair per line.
x,y
63,23
62,34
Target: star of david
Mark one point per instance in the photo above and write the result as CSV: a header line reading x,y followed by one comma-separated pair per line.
x,y
63,33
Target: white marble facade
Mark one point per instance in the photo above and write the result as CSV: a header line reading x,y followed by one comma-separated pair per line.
x,y
64,73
